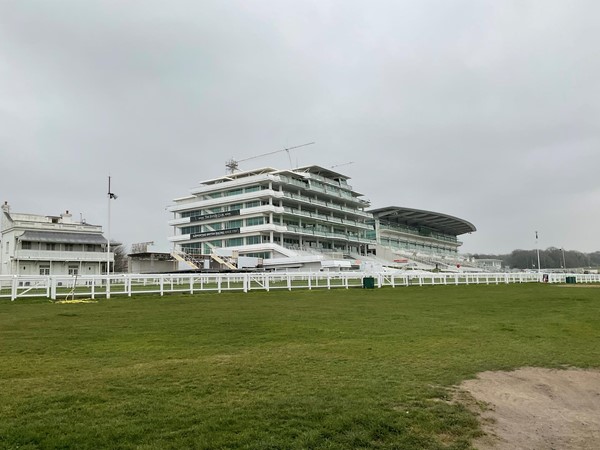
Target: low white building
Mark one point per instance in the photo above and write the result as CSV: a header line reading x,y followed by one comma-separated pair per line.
x,y
50,245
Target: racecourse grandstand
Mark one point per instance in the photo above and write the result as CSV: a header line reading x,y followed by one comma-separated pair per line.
x,y
308,218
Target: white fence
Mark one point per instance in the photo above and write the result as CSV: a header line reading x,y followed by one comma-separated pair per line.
x,y
102,286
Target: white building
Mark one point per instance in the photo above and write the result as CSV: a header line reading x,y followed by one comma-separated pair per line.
x,y
308,218
286,218
50,245
425,236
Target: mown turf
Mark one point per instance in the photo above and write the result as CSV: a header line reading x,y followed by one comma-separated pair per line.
x,y
306,369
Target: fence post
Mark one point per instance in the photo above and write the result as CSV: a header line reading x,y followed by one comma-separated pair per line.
x,y
13,288
161,284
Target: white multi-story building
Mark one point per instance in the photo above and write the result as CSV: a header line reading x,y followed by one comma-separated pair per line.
x,y
287,218
308,218
50,245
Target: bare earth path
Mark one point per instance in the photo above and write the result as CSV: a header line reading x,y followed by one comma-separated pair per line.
x,y
534,408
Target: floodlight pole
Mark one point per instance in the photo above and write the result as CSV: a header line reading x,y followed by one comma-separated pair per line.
x,y
564,260
108,231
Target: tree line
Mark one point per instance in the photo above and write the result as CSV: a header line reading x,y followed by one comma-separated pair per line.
x,y
551,258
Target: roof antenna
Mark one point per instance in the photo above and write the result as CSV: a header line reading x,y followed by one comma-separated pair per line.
x,y
232,165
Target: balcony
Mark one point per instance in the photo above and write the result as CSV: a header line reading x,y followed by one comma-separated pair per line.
x,y
49,255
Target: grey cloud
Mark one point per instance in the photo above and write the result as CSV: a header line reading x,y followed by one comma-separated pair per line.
x,y
485,110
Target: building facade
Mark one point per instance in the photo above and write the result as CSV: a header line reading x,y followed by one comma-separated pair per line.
x,y
280,216
410,231
50,245
309,218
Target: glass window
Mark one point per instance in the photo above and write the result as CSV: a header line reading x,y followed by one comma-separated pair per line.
x,y
255,221
234,224
235,192
73,270
253,240
26,245
235,242
44,270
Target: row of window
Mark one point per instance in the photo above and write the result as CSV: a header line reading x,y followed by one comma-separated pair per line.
x,y
207,247
426,248
230,224
232,207
237,191
27,245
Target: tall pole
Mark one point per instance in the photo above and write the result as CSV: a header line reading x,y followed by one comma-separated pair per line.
x,y
538,251
564,260
108,231
111,196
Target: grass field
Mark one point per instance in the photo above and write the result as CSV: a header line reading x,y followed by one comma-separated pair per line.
x,y
304,369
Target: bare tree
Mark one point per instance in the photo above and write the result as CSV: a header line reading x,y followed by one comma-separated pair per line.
x,y
120,252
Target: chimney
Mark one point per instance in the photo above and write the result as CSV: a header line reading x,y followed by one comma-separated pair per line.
x,y
66,217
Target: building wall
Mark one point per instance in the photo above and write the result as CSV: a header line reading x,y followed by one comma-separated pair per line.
x,y
19,257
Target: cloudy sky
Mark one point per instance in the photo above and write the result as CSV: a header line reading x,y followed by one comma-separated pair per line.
x,y
483,109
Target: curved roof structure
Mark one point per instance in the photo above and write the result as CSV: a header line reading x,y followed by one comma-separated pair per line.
x,y
417,217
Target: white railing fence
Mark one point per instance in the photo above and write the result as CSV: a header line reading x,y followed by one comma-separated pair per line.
x,y
102,286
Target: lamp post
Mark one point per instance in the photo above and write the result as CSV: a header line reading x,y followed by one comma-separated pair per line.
x,y
111,196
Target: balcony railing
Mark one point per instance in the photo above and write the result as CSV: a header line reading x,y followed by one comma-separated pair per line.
x,y
49,255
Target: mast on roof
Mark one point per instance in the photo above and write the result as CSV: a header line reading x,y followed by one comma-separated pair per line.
x,y
233,164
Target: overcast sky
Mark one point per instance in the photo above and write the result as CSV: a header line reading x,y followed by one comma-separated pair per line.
x,y
487,110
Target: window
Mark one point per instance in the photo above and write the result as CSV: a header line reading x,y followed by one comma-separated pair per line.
x,y
44,269
255,221
235,242
90,248
7,246
236,206
68,247
234,192
252,204
191,230
73,270
26,245
233,224
253,240
50,246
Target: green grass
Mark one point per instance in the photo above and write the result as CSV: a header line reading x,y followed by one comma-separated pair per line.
x,y
332,369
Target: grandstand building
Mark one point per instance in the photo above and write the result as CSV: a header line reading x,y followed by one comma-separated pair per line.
x,y
308,218
425,236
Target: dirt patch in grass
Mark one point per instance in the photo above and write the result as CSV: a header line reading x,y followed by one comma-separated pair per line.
x,y
536,408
